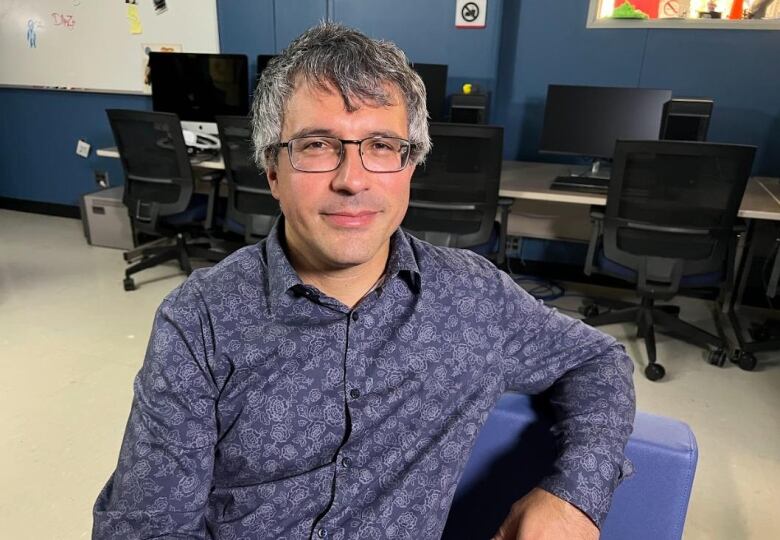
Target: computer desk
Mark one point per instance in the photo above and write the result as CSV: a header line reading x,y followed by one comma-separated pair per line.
x,y
531,181
760,208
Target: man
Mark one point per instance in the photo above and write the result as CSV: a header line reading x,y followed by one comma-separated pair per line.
x,y
330,381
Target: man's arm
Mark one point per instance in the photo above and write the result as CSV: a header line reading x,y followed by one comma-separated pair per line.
x,y
587,376
163,478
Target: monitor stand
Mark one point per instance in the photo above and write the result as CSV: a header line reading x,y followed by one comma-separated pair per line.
x,y
598,169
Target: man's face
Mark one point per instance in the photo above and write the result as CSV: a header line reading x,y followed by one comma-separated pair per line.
x,y
343,218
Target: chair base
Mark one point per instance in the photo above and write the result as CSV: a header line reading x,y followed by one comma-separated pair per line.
x,y
647,317
181,250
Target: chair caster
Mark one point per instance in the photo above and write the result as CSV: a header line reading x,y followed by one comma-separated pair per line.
x,y
655,372
590,310
745,360
717,357
129,284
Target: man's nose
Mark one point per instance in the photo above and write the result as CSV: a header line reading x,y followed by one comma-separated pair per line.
x,y
351,177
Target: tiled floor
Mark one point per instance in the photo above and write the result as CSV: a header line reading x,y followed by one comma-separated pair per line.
x,y
71,341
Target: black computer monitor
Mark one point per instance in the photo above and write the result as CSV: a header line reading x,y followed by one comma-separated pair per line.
x,y
262,62
587,120
434,77
198,87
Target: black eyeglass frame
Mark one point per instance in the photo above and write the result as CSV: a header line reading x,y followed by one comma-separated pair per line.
x,y
405,160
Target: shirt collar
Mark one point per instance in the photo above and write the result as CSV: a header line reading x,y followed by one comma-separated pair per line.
x,y
282,276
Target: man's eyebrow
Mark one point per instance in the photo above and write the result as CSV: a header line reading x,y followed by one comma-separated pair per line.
x,y
314,131
311,131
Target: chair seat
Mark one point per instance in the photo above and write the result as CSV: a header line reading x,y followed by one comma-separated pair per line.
x,y
690,281
195,212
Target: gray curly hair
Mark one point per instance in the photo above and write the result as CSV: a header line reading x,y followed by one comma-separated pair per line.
x,y
331,55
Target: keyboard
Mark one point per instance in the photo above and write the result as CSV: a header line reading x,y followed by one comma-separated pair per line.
x,y
581,184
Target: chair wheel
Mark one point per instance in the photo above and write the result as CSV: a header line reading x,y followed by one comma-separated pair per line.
x,y
745,360
591,310
129,284
655,372
718,357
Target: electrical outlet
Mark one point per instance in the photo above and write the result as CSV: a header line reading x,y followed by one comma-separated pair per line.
x,y
514,246
82,148
101,179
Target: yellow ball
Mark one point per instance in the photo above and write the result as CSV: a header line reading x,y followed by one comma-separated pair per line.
x,y
467,88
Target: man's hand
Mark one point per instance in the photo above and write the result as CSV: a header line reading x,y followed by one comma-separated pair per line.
x,y
540,515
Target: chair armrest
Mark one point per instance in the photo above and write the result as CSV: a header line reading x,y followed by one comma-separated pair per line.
x,y
515,450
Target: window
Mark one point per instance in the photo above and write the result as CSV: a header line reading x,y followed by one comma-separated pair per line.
x,y
716,14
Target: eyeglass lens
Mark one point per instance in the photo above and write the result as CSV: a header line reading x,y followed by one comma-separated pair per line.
x,y
323,154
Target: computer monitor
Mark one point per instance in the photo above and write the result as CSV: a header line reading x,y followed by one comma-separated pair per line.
x,y
262,62
434,77
686,119
587,120
198,87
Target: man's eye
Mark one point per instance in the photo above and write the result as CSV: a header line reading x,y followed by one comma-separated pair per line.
x,y
381,146
316,145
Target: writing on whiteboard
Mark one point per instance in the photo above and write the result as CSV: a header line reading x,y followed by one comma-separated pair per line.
x,y
32,33
64,20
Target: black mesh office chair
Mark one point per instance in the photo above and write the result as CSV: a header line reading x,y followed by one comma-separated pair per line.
x,y
669,225
159,188
454,195
251,209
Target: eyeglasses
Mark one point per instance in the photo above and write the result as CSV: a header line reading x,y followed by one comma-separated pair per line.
x,y
325,154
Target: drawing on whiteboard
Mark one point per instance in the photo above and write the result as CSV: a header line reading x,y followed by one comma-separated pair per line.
x,y
68,21
32,33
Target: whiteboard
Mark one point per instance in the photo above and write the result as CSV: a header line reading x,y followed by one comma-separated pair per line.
x,y
88,44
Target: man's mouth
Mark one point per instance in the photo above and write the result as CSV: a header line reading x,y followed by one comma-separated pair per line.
x,y
351,219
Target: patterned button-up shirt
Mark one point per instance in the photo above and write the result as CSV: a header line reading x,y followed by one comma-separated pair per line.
x,y
266,409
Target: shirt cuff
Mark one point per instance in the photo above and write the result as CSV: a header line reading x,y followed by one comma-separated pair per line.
x,y
589,485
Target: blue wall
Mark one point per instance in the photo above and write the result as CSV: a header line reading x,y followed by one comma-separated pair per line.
x,y
38,136
552,45
527,45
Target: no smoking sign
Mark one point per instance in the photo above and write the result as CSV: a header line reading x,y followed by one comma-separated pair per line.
x,y
470,13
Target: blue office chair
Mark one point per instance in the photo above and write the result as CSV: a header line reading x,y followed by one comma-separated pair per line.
x,y
669,226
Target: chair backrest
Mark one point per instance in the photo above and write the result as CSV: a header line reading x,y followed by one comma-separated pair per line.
x,y
672,206
249,198
454,195
158,175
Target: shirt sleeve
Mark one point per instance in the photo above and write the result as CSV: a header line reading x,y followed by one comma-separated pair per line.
x,y
163,478
588,378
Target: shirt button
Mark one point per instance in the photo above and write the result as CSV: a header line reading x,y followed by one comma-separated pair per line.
x,y
346,462
354,393
322,533
354,315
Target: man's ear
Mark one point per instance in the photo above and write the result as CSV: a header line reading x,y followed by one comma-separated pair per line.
x,y
272,173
